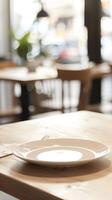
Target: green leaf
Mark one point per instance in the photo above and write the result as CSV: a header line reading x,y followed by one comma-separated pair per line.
x,y
24,46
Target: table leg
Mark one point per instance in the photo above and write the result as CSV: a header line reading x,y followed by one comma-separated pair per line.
x,y
25,102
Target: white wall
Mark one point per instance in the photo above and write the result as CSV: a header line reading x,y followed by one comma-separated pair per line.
x,y
4,28
6,98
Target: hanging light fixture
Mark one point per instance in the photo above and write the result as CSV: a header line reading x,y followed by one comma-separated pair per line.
x,y
42,13
40,26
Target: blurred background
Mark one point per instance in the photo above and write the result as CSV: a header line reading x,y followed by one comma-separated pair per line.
x,y
63,29
49,31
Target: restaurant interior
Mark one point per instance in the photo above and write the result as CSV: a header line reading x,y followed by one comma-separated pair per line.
x,y
55,59
58,38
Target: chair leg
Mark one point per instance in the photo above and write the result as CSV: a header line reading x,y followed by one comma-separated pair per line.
x,y
84,95
69,96
62,106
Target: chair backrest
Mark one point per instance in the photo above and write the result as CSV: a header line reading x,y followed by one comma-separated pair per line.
x,y
76,72
71,72
7,64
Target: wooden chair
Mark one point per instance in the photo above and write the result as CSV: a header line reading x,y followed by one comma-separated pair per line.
x,y
7,64
69,73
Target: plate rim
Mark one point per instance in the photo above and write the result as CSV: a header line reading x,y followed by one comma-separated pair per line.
x,y
55,163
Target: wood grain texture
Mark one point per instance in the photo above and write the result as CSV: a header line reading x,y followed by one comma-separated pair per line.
x,y
26,181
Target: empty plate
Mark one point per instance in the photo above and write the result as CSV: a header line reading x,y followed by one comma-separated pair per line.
x,y
61,152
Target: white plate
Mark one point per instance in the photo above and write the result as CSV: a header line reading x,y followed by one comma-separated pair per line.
x,y
61,152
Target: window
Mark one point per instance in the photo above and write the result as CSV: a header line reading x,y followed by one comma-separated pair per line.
x,y
66,25
106,26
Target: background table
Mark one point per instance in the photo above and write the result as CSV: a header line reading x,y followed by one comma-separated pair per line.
x,y
24,78
89,182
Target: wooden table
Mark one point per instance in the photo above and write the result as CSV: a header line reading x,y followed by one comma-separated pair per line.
x,y
24,78
88,182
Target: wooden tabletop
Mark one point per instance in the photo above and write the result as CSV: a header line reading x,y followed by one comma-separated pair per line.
x,y
88,182
22,75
